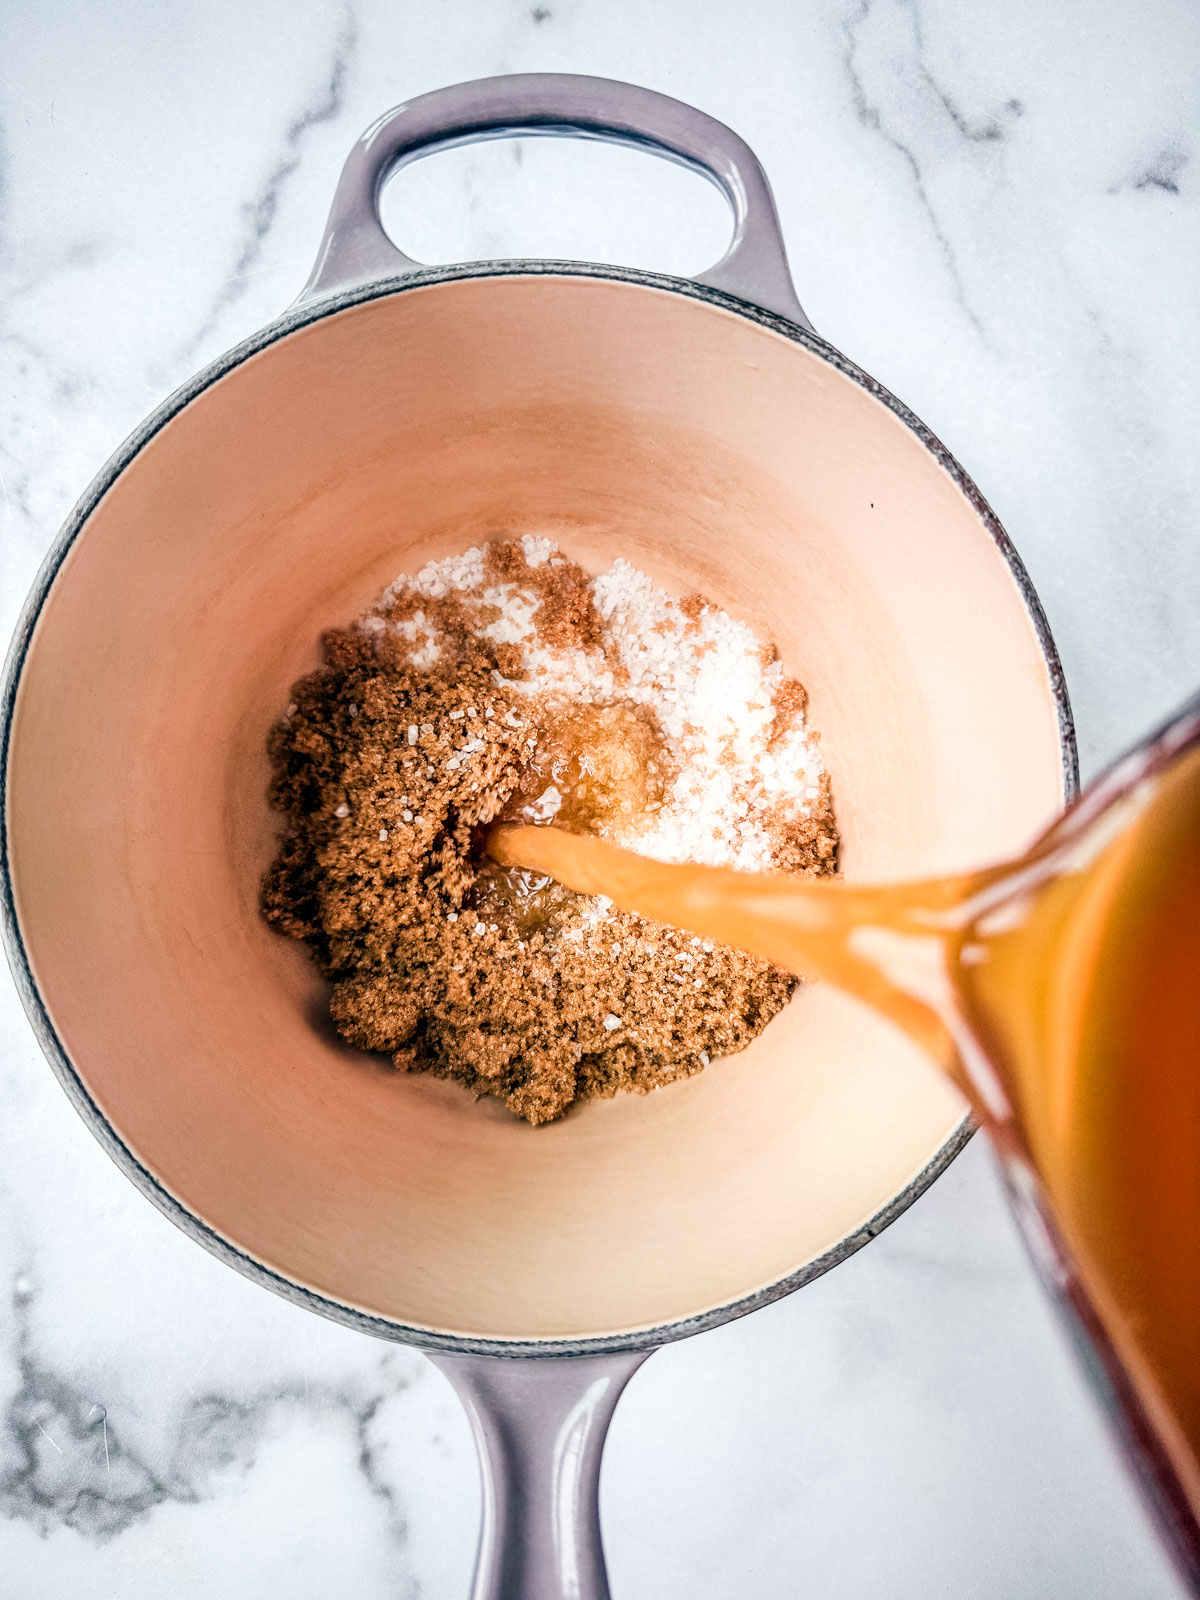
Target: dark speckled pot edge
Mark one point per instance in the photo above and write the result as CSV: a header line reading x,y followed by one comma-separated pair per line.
x,y
194,1227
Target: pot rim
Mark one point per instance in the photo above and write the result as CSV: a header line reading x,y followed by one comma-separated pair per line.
x,y
303,313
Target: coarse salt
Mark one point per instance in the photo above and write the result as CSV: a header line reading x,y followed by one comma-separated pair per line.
x,y
704,675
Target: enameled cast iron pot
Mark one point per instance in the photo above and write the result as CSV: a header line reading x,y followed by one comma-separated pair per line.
x,y
398,413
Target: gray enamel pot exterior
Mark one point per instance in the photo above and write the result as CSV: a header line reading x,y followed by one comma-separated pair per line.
x,y
540,1427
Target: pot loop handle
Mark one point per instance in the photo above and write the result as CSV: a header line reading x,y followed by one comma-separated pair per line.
x,y
539,1426
355,250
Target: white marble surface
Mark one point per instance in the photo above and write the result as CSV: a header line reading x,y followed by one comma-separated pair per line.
x,y
994,209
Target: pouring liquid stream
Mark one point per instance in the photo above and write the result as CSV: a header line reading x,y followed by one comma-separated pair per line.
x,y
1061,991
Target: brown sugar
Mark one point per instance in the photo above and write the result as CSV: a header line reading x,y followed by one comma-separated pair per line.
x,y
387,773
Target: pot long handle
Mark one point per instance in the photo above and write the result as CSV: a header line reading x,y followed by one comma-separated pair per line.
x,y
540,1426
355,250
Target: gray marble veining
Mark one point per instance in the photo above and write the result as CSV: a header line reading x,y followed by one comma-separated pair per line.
x,y
260,212
71,1469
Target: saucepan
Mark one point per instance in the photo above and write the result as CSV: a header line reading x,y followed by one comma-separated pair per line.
x,y
398,413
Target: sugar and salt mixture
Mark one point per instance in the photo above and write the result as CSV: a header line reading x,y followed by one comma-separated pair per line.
x,y
505,682
746,761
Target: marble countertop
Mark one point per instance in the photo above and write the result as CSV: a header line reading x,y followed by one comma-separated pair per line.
x,y
995,210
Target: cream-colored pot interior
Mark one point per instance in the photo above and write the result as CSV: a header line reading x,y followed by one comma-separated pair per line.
x,y
625,420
